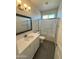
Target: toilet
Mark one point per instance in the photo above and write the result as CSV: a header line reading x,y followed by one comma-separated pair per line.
x,y
42,38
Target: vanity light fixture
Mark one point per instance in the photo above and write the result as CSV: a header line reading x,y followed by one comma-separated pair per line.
x,y
29,8
23,7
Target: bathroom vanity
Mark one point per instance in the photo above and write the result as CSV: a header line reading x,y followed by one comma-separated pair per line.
x,y
27,45
27,42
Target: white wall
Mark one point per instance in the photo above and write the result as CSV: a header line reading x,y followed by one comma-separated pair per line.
x,y
48,28
35,25
58,49
59,11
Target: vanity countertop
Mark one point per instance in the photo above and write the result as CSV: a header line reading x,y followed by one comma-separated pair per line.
x,y
23,43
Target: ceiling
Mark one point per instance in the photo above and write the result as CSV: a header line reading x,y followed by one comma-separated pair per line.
x,y
44,5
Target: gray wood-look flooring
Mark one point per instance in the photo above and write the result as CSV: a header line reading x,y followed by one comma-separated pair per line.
x,y
45,51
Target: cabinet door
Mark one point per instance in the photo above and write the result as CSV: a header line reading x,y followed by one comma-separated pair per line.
x,y
36,45
26,53
32,50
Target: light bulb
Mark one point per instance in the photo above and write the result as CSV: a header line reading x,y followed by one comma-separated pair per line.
x,y
29,8
25,5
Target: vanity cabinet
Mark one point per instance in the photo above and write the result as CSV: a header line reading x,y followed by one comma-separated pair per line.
x,y
30,51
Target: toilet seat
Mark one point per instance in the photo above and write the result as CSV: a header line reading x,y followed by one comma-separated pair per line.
x,y
42,38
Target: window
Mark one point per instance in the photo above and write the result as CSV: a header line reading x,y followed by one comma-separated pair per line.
x,y
49,16
52,16
45,17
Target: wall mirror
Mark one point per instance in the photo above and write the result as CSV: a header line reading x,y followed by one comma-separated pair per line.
x,y
23,24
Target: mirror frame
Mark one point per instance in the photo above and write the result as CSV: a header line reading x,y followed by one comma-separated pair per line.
x,y
30,23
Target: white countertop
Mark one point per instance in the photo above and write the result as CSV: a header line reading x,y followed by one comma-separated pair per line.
x,y
23,43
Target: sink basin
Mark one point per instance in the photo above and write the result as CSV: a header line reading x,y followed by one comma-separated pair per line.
x,y
28,38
